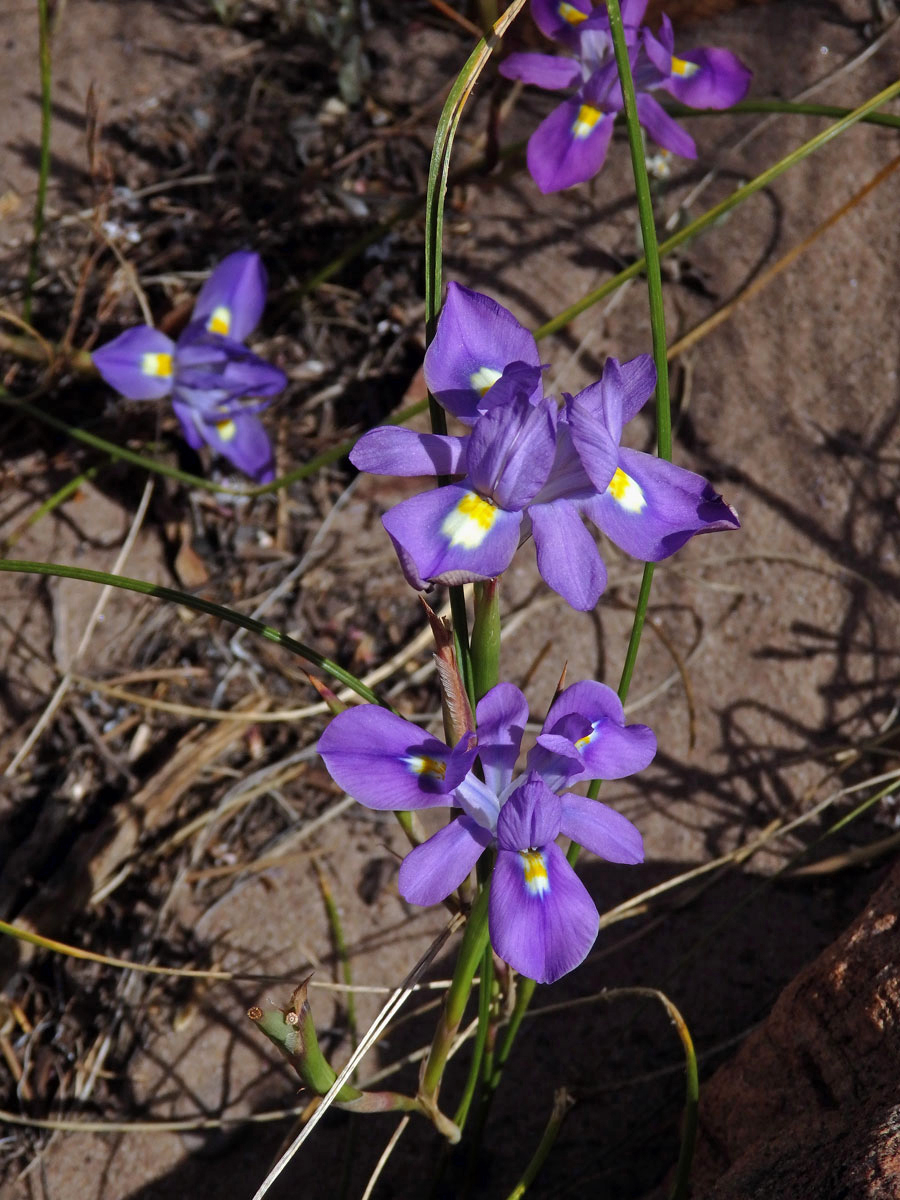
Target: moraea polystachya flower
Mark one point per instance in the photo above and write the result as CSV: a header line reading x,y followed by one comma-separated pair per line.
x,y
208,371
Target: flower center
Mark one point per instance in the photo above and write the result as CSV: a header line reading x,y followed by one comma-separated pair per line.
x,y
484,379
626,492
157,364
587,118
469,523
684,69
570,13
421,764
534,868
220,320
226,429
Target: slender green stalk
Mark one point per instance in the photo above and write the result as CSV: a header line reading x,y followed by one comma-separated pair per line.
x,y
719,210
562,1103
40,201
485,985
486,637
782,108
48,506
474,940
198,604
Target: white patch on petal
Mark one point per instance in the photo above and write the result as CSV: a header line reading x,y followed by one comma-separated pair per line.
x,y
220,320
484,379
588,737
586,121
683,69
626,492
159,365
469,522
420,764
534,868
226,430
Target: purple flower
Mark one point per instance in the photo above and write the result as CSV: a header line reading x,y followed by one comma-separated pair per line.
x,y
208,372
528,466
542,920
570,145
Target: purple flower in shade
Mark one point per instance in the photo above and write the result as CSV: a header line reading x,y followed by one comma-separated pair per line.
x,y
570,145
542,920
528,466
208,372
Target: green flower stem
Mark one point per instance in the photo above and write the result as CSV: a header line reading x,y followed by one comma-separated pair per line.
x,y
486,637
648,231
472,947
40,201
48,506
782,108
485,987
719,210
198,604
562,1104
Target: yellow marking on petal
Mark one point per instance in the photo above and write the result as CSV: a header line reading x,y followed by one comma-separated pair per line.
x,y
227,430
587,118
157,364
484,379
684,69
586,740
626,492
421,764
469,523
220,320
570,13
536,878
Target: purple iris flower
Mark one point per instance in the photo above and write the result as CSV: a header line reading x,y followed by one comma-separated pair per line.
x,y
208,372
542,920
570,145
530,467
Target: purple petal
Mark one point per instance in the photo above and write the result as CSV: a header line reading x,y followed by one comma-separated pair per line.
x,y
451,535
138,363
192,424
385,762
475,340
651,507
500,720
560,19
568,479
589,699
720,79
243,440
587,724
478,801
567,558
550,71
207,362
430,872
511,450
600,829
659,49
542,920
530,817
569,146
231,301
664,129
389,450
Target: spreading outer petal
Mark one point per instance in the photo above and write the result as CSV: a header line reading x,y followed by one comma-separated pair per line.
x,y
385,762
557,158
390,450
651,507
231,301
430,872
475,340
567,558
600,829
588,699
664,129
192,424
139,363
549,71
511,450
500,720
452,535
243,440
720,80
541,934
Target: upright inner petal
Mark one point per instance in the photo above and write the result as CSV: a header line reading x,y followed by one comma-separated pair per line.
x,y
469,522
159,364
534,868
626,492
484,379
584,123
220,320
684,69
